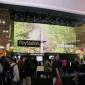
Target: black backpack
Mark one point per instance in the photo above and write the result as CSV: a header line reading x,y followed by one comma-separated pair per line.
x,y
9,73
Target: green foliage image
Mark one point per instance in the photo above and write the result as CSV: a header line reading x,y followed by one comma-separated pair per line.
x,y
57,38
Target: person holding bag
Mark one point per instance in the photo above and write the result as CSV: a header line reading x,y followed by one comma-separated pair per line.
x,y
55,71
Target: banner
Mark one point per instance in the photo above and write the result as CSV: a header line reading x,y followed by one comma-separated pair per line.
x,y
28,43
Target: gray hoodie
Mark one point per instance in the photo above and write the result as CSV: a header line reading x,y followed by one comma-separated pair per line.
x,y
1,68
15,72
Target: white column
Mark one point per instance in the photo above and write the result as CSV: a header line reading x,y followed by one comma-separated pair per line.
x,y
41,40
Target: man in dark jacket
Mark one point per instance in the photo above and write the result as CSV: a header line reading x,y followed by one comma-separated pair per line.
x,y
28,72
55,68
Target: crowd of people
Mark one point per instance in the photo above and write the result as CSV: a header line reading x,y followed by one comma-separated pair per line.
x,y
59,67
20,71
17,71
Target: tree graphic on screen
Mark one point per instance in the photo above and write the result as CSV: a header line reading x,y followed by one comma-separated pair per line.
x,y
54,35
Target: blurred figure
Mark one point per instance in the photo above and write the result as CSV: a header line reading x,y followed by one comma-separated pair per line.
x,y
48,68
81,61
76,69
21,69
55,70
1,71
34,67
16,77
27,71
64,65
6,66
14,66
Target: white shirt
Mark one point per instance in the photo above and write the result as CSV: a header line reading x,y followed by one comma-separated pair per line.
x,y
1,68
15,72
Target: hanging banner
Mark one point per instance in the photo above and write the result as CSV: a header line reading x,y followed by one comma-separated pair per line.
x,y
28,43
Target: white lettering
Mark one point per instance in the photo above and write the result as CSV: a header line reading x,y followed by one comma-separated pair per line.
x,y
66,46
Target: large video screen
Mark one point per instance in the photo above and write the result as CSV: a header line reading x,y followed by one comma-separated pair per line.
x,y
54,38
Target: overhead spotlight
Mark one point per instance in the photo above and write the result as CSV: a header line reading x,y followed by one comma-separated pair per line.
x,y
5,31
3,22
2,47
0,21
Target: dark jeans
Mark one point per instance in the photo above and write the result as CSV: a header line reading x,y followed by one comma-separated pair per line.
x,y
14,83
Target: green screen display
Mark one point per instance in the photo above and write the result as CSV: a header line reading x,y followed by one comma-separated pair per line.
x,y
54,38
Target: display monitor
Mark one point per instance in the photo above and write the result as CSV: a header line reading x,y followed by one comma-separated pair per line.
x,y
39,58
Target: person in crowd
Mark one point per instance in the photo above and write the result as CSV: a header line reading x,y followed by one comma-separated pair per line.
x,y
27,71
1,71
76,69
64,65
16,78
81,61
21,69
34,66
47,68
56,69
6,81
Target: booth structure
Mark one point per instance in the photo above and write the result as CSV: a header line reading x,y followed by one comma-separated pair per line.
x,y
55,12
61,12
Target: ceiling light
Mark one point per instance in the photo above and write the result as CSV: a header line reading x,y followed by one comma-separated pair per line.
x,y
0,21
2,47
3,22
5,31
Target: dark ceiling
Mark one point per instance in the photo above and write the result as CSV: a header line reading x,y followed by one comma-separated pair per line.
x,y
39,15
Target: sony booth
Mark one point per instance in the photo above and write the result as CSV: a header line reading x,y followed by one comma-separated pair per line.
x,y
41,29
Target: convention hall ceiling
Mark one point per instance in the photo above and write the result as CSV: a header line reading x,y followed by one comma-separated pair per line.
x,y
41,15
63,12
72,6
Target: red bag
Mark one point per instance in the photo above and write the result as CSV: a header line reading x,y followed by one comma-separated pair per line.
x,y
58,79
